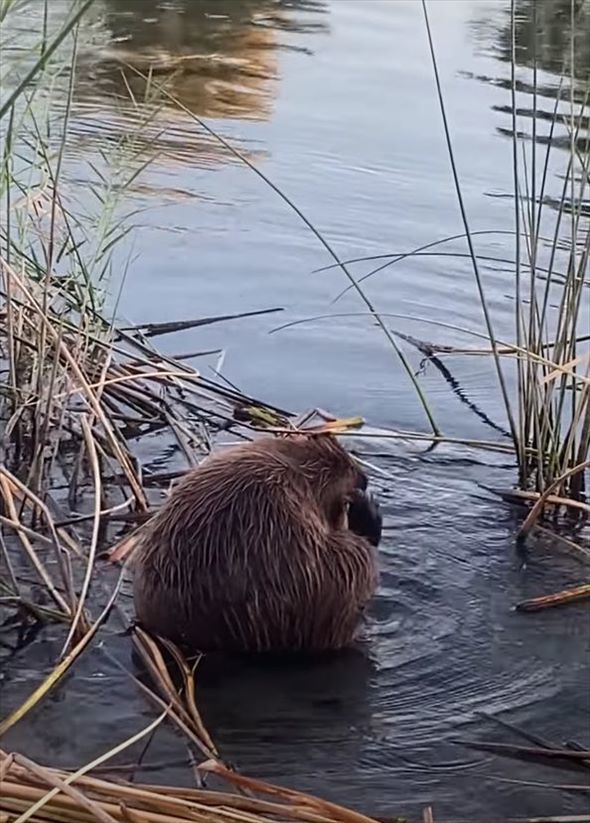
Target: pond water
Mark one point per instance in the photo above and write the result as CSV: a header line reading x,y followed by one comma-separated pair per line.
x,y
334,100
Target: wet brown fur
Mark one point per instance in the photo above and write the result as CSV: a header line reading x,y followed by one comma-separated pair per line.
x,y
251,552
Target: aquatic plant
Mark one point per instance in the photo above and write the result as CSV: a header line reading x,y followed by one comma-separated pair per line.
x,y
549,418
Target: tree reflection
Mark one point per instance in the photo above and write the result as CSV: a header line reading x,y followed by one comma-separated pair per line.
x,y
220,55
543,34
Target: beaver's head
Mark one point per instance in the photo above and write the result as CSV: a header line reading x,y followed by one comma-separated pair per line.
x,y
331,471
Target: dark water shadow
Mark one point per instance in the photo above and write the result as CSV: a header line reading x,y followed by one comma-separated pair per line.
x,y
265,699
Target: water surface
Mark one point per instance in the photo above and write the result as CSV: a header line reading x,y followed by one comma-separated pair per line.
x,y
335,102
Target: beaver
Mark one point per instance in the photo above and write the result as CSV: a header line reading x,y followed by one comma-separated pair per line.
x,y
268,546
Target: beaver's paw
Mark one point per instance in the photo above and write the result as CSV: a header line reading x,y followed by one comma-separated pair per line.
x,y
364,517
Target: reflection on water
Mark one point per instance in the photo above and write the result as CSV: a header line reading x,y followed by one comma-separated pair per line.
x,y
219,56
542,41
543,35
547,56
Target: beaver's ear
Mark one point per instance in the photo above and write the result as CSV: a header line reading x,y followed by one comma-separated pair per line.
x,y
321,437
295,436
299,436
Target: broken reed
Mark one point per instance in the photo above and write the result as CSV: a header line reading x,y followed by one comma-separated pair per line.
x,y
43,794
39,793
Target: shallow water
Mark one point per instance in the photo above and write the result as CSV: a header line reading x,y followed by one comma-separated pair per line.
x,y
335,102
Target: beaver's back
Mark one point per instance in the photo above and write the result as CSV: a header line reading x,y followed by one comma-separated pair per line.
x,y
238,558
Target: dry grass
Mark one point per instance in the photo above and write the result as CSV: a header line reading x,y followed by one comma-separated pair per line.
x,y
38,793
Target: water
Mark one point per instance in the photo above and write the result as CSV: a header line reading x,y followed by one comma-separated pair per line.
x,y
335,102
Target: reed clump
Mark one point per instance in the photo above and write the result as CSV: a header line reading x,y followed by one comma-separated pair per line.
x,y
548,413
38,793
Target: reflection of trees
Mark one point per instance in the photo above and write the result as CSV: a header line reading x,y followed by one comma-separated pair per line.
x,y
220,54
543,32
543,35
208,21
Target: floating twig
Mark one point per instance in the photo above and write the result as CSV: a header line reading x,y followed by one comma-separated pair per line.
x,y
155,329
558,599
